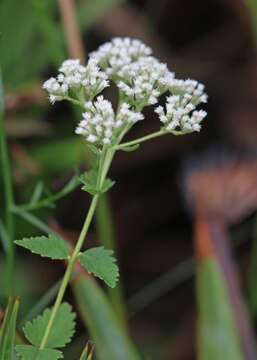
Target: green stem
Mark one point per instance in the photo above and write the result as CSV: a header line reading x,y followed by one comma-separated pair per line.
x,y
104,167
49,200
8,201
68,271
142,139
151,136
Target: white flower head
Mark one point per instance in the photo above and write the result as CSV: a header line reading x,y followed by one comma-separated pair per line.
x,y
179,114
144,81
112,56
141,79
100,125
188,87
75,78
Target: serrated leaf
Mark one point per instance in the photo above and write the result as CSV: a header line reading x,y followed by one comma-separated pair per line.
x,y
61,331
108,183
89,179
29,352
51,246
100,262
129,148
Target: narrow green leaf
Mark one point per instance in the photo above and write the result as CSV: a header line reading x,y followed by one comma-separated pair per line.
x,y
37,192
217,333
130,148
100,262
29,352
87,353
61,331
8,344
94,149
6,322
110,340
51,246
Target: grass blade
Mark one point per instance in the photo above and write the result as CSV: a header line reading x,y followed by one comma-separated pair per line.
x,y
218,337
110,340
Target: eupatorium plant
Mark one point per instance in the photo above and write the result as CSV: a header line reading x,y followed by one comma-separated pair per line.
x,y
141,80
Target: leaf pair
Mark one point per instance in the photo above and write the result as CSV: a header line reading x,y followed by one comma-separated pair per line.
x,y
60,334
89,179
97,261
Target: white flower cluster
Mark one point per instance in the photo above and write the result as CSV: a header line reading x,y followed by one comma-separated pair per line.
x,y
112,56
74,76
145,80
190,87
180,114
100,125
141,80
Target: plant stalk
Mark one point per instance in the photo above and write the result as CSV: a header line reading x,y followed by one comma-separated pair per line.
x,y
104,167
8,191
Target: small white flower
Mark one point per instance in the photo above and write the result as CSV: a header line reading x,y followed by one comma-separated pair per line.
x,y
100,125
179,113
76,77
144,80
112,56
188,88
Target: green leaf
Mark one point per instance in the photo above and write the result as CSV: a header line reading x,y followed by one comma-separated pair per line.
x,y
100,262
94,149
29,352
7,333
51,246
108,335
61,331
4,325
217,332
108,183
89,179
10,336
129,148
87,353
